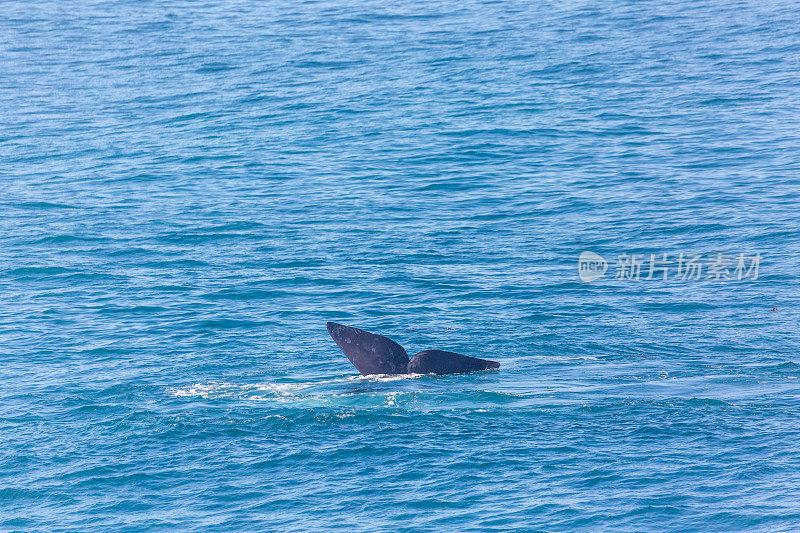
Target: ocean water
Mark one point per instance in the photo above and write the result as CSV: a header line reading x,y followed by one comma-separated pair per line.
x,y
190,190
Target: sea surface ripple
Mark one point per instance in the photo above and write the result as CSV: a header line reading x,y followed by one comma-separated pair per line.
x,y
191,190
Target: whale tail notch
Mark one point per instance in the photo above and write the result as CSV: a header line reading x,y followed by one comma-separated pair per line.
x,y
376,354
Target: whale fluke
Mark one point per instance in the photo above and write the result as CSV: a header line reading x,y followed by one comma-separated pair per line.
x,y
376,354
369,353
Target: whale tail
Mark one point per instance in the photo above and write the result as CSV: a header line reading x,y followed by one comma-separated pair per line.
x,y
376,354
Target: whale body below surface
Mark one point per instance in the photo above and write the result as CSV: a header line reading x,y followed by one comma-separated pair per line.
x,y
376,354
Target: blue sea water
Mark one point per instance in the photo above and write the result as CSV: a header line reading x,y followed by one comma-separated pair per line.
x,y
190,190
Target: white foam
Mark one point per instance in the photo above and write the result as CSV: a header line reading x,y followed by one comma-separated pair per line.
x,y
386,377
283,392
204,390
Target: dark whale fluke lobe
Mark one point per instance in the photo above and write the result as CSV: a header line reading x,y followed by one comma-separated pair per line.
x,y
376,354
369,353
441,362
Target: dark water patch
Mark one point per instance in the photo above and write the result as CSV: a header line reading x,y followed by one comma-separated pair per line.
x,y
122,310
247,294
214,67
39,271
173,288
226,324
327,65
133,251
175,263
68,239
189,237
45,205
